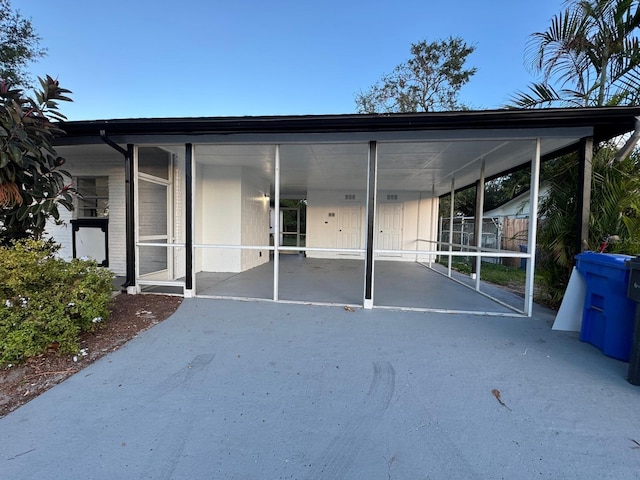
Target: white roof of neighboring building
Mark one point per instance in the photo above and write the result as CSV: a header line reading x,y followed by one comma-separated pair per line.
x,y
519,205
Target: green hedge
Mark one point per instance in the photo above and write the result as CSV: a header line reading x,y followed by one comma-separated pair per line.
x,y
47,301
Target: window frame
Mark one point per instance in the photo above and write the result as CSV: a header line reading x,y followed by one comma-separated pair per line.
x,y
82,203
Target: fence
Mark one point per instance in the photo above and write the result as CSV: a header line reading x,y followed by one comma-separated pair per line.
x,y
503,232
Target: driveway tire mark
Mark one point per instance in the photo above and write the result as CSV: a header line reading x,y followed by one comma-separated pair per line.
x,y
170,446
383,385
181,378
343,449
175,434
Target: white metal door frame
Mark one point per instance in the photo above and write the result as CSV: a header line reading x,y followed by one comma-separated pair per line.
x,y
148,240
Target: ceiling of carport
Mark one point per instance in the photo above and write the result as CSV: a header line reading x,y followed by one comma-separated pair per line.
x,y
402,165
424,161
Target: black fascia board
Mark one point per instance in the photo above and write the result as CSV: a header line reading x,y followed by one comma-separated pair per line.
x,y
607,122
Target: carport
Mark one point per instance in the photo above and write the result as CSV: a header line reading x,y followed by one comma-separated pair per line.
x,y
200,192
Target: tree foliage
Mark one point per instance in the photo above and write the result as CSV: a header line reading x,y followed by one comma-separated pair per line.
x,y
429,81
496,193
615,211
589,56
32,185
19,45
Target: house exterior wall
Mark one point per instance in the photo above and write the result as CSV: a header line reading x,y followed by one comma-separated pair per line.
x,y
427,229
326,207
179,216
322,221
198,230
417,224
231,209
220,213
111,166
254,220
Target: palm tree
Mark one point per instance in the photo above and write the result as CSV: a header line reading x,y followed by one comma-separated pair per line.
x,y
589,56
615,211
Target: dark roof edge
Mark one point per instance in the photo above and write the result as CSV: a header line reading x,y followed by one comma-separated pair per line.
x,y
606,121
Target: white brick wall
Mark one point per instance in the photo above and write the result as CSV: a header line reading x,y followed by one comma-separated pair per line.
x,y
179,213
95,166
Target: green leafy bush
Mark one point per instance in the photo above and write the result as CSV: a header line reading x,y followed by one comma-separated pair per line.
x,y
47,301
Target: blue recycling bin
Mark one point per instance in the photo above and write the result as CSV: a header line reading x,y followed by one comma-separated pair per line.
x,y
608,315
523,261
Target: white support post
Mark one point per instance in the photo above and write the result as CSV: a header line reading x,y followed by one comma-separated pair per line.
x,y
451,212
441,233
298,226
276,227
132,290
533,228
479,218
433,231
418,222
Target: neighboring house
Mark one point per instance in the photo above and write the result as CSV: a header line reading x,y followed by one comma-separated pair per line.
x,y
519,206
511,222
168,202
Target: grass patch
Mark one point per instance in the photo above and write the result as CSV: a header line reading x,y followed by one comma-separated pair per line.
x,y
497,274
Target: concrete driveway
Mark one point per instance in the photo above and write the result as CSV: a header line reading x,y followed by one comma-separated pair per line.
x,y
239,390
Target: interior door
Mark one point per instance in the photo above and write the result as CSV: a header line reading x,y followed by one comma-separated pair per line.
x,y
390,227
349,226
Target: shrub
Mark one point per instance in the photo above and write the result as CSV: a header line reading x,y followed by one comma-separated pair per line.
x,y
47,301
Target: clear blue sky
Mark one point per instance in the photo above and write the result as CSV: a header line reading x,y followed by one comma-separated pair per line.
x,y
144,58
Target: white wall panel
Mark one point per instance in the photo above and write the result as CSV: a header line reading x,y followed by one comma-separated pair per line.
x,y
221,217
254,220
323,221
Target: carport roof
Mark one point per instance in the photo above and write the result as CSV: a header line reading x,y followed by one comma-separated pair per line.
x,y
428,148
607,122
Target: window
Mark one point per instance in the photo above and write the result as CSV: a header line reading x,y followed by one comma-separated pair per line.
x,y
93,198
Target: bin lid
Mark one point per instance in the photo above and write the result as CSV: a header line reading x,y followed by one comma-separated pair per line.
x,y
634,263
614,260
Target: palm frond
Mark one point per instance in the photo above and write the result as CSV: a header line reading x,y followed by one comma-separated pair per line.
x,y
540,95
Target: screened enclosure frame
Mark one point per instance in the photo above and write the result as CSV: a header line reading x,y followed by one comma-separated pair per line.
x,y
430,154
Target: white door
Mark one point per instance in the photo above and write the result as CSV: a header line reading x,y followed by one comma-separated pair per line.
x,y
349,226
390,228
